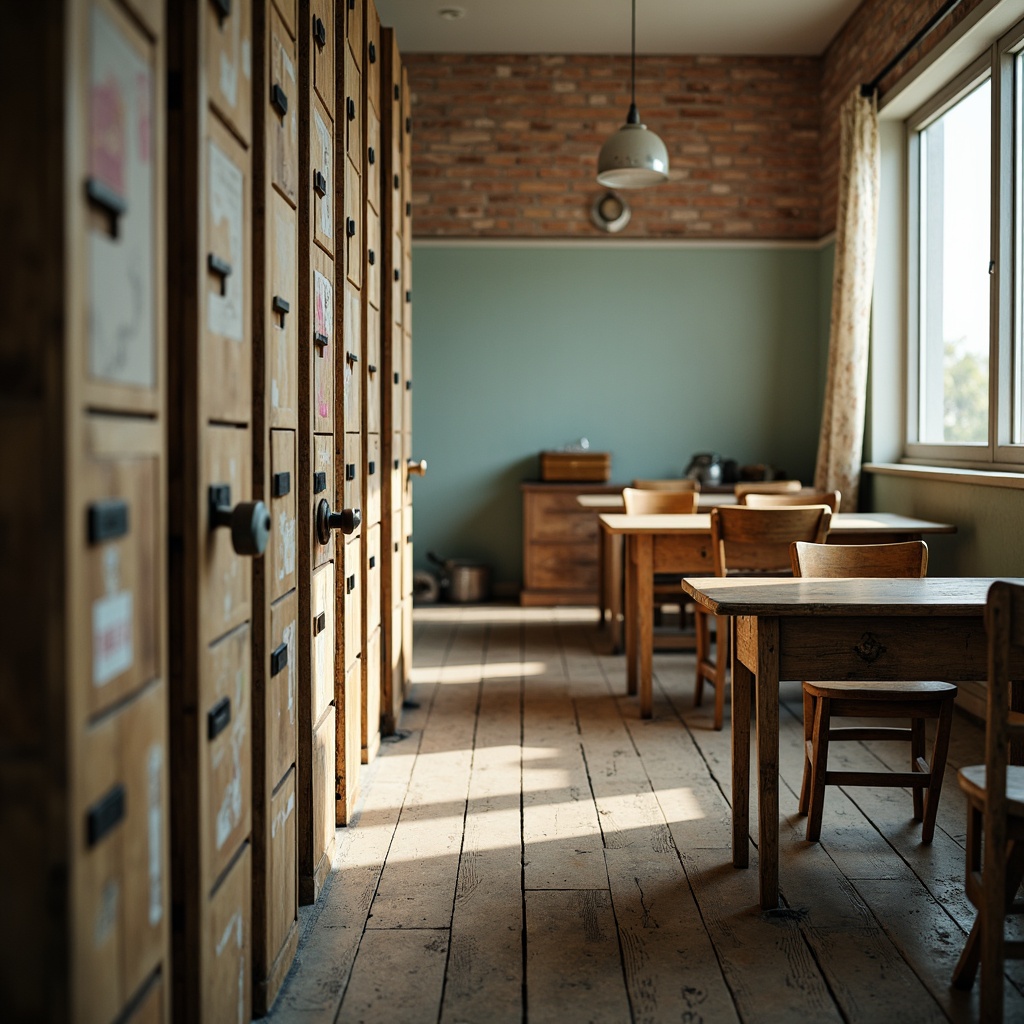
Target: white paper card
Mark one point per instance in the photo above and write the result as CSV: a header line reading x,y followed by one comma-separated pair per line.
x,y
111,636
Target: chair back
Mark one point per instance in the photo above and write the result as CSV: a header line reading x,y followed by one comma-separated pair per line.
x,y
674,484
906,560
767,487
757,539
755,499
646,503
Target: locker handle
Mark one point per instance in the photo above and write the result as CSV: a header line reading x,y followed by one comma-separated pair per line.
x,y
321,339
371,368
371,156
248,521
351,5
396,546
350,584
371,257
408,209
372,469
223,8
347,520
417,467
397,463
279,100
350,106
408,295
373,54
281,485
108,520
352,357
218,718
350,227
397,378
319,624
373,561
221,268
319,482
319,184
280,305
319,33
408,126
408,385
104,196
278,659
398,273
105,814
398,182
398,92
350,471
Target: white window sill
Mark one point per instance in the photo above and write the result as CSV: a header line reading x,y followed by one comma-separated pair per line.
x,y
948,474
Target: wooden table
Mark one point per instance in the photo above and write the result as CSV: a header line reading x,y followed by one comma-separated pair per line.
x,y
682,544
873,629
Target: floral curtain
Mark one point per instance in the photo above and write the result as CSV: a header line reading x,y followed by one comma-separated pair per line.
x,y
841,439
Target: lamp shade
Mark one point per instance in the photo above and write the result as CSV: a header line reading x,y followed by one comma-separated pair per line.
x,y
633,157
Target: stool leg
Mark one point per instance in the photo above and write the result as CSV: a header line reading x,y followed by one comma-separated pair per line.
x,y
916,751
967,966
822,722
702,642
940,748
805,785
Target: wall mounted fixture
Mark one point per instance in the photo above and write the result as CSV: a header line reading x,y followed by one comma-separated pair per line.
x,y
610,212
634,157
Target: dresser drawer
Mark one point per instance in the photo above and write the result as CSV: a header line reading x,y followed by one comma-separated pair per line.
x,y
561,567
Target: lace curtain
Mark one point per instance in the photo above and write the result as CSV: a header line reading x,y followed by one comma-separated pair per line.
x,y
841,440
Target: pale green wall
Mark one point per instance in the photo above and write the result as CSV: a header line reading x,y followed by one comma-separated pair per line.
x,y
651,353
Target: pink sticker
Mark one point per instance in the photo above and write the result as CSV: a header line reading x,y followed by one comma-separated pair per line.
x,y
107,117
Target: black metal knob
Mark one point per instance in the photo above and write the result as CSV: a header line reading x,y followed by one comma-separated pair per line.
x,y
347,520
319,33
248,521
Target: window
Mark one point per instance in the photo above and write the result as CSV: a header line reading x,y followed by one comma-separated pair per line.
x,y
965,338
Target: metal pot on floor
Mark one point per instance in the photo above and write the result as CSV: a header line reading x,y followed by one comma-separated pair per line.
x,y
463,581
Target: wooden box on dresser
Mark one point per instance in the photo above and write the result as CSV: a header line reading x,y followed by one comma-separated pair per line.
x,y
560,543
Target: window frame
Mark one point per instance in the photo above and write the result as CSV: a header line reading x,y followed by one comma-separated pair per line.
x,y
1006,301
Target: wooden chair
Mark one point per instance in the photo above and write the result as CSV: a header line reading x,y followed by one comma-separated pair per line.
x,y
748,541
766,487
917,700
667,590
755,499
995,807
680,483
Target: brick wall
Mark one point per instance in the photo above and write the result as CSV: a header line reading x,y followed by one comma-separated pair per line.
x,y
506,146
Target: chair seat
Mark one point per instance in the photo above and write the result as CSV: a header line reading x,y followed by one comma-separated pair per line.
x,y
923,690
972,782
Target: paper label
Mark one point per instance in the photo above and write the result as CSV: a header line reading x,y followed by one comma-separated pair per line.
x,y
154,780
321,144
122,317
224,315
111,636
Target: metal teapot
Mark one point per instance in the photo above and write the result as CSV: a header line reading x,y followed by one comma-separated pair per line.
x,y
705,467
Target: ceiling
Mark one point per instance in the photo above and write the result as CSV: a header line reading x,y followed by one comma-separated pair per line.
x,y
763,27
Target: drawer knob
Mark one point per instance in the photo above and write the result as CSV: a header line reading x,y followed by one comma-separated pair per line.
x,y
223,8
319,184
279,100
218,718
347,520
350,106
319,33
417,467
248,521
281,484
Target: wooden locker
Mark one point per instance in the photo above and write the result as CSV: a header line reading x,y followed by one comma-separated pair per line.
x,y
280,94
84,867
219,524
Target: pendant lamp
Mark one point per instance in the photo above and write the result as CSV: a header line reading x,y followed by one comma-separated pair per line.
x,y
634,157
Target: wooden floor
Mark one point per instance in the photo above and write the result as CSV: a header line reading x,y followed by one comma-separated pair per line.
x,y
530,850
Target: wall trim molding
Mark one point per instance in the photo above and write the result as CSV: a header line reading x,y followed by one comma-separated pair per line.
x,y
478,242
948,474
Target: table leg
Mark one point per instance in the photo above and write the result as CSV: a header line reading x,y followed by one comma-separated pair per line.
x,y
742,691
602,577
630,616
614,594
643,594
767,688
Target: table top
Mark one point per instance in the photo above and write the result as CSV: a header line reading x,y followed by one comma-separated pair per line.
x,y
932,595
842,522
613,502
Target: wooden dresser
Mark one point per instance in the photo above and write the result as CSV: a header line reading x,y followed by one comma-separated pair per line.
x,y
560,543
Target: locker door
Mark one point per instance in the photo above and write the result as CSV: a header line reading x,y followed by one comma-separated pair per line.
x,y
219,525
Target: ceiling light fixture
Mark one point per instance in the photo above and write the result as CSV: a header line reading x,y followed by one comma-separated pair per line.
x,y
451,13
634,157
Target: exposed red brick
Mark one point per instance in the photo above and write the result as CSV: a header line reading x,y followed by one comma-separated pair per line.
x,y
506,145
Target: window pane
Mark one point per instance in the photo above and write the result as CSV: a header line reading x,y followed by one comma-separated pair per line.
x,y
954,247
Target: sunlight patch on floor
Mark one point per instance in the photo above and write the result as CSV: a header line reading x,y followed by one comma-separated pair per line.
x,y
475,673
